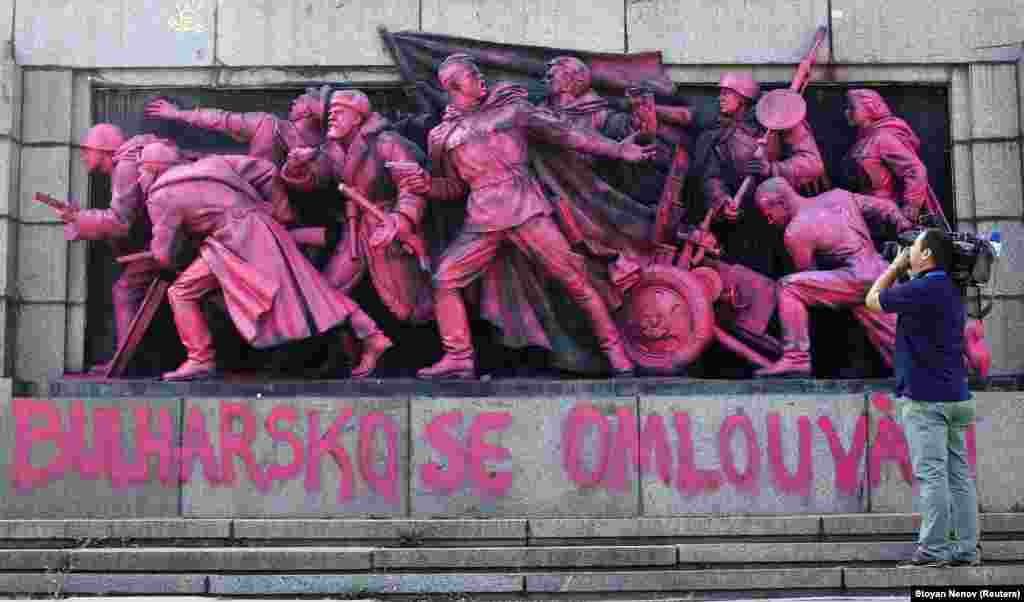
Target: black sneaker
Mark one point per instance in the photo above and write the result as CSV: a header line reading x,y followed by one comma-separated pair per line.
x,y
919,560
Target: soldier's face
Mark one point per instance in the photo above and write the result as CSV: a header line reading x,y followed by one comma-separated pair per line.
x,y
341,122
94,159
770,204
559,80
300,108
470,83
856,114
729,102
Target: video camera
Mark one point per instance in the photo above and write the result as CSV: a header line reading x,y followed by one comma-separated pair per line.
x,y
972,256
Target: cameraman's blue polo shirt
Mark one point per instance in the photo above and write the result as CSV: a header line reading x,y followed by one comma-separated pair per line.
x,y
929,360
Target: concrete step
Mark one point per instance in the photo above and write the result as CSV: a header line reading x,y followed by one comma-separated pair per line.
x,y
480,532
322,558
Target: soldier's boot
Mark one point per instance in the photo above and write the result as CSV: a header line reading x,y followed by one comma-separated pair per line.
x,y
195,336
608,335
796,339
375,343
459,360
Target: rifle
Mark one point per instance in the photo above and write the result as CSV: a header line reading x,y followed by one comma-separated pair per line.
x,y
155,295
411,242
796,87
52,202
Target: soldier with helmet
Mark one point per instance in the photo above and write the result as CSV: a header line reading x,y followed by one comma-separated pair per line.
x,y
732,153
124,224
364,153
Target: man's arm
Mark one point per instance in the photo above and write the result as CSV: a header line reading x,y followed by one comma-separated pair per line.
x,y
877,210
906,167
547,126
166,221
126,203
894,303
800,244
803,163
396,149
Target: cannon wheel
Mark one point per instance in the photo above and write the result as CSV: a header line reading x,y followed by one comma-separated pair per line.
x,y
666,320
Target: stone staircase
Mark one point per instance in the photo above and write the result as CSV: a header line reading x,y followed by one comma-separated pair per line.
x,y
538,557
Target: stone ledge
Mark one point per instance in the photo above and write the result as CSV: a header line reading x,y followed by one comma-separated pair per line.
x,y
725,579
519,558
888,577
683,526
237,585
171,528
220,559
410,530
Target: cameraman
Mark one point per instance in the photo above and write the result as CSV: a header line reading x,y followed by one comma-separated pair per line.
x,y
931,374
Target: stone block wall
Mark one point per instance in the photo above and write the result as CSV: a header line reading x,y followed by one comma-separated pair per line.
x,y
55,51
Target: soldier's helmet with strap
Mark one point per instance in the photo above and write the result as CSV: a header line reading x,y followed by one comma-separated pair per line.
x,y
741,83
103,136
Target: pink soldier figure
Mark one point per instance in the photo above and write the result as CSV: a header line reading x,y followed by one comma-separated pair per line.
x,y
733,154
884,160
836,264
269,136
481,149
365,154
105,150
273,294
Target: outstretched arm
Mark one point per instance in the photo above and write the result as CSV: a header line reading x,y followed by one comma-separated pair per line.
x,y
545,125
882,210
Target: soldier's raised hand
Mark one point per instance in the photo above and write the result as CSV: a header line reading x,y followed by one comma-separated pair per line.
x,y
162,109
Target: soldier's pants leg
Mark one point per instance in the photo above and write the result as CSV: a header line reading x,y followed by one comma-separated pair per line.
x,y
462,263
835,289
127,294
184,295
540,239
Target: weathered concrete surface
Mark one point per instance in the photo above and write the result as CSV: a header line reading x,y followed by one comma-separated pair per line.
x,y
238,585
10,160
10,96
889,469
921,31
219,559
133,584
575,24
1007,275
1002,522
60,583
509,457
408,530
1003,551
66,491
265,32
521,558
994,93
960,114
42,263
345,484
74,339
1000,454
144,529
39,343
730,32
32,560
870,524
963,179
724,579
997,179
81,107
678,526
46,109
751,481
1003,328
111,33
43,169
792,552
9,249
879,577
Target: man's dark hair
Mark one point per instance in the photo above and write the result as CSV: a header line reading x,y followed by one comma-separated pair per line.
x,y
941,246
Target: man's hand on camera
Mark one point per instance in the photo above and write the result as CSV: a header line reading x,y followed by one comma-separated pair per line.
x,y
902,261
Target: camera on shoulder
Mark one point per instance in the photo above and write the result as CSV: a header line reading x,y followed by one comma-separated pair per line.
x,y
972,256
